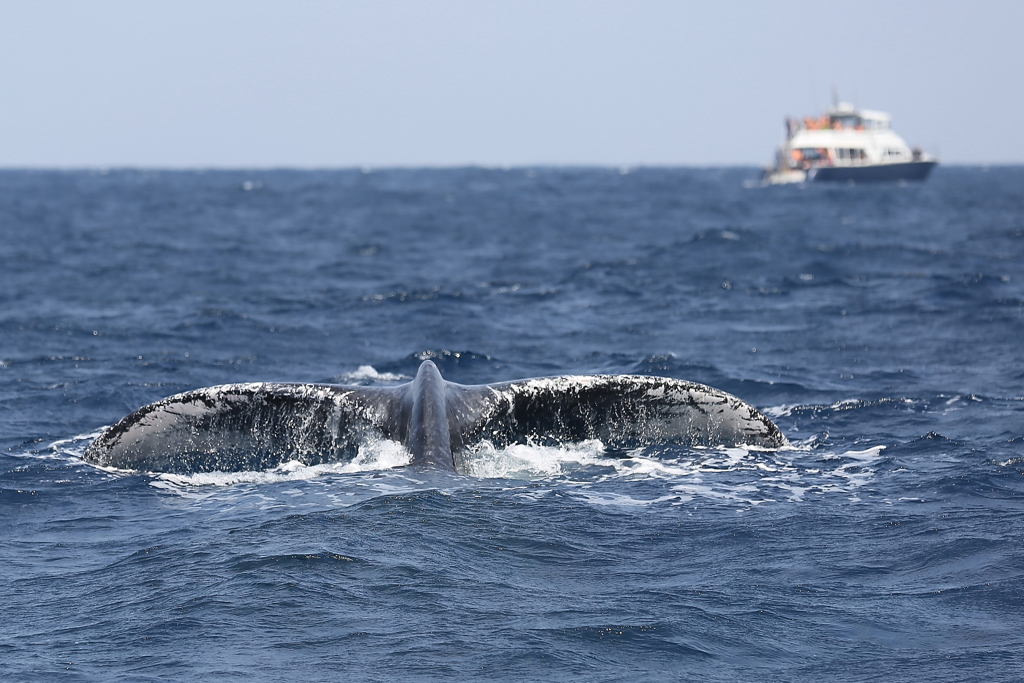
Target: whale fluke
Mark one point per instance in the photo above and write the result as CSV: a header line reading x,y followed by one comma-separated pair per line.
x,y
237,427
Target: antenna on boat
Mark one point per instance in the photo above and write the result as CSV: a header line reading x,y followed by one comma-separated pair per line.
x,y
835,97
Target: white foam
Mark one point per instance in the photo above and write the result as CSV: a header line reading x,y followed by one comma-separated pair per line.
x,y
368,372
866,455
521,461
784,410
743,476
618,499
789,474
372,456
74,447
796,493
846,403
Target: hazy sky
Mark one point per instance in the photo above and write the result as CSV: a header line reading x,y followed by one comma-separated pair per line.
x,y
404,82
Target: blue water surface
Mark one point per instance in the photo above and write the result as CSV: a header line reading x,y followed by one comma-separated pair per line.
x,y
879,325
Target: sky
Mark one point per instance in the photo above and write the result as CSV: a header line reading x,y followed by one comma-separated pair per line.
x,y
313,84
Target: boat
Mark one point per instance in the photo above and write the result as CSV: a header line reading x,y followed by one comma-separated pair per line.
x,y
846,144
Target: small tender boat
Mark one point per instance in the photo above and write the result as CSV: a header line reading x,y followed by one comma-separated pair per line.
x,y
846,144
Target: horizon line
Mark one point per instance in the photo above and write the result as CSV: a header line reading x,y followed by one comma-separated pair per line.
x,y
369,168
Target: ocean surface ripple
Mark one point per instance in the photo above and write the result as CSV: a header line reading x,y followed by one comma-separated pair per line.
x,y
879,326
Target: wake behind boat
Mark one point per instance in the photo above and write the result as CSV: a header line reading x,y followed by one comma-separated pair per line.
x,y
846,144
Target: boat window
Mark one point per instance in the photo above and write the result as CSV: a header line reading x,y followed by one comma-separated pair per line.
x,y
812,154
850,154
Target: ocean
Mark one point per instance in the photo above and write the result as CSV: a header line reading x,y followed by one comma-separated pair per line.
x,y
880,326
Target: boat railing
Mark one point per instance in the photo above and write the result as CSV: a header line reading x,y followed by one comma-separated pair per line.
x,y
826,122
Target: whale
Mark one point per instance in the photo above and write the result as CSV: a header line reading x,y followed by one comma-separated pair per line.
x,y
259,426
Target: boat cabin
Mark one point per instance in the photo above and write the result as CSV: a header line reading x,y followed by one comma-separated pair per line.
x,y
843,136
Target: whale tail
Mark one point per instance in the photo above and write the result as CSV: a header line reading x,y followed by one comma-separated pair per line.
x,y
623,411
236,427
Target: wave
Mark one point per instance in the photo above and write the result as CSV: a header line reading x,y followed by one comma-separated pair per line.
x,y
366,374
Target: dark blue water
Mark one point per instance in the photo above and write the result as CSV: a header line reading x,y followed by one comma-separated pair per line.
x,y
880,326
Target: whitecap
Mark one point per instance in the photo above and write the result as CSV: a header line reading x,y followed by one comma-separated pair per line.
x,y
784,410
368,372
